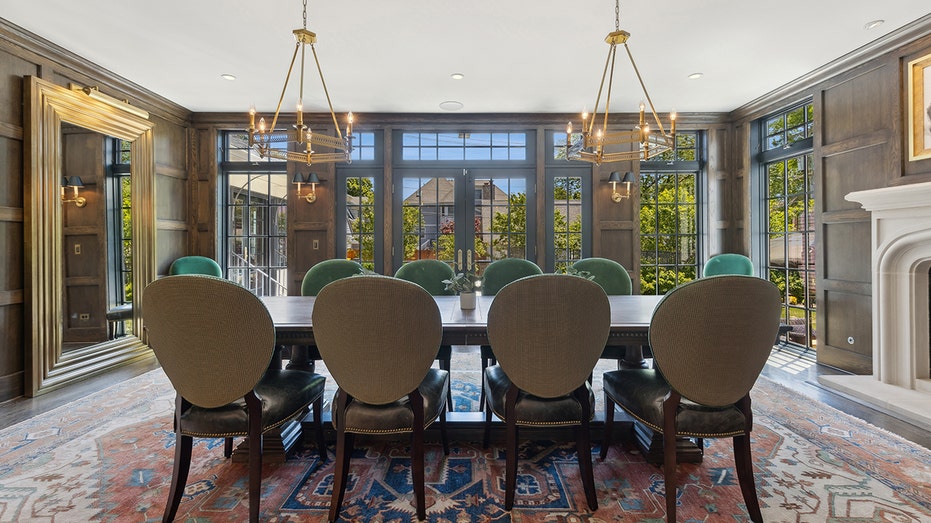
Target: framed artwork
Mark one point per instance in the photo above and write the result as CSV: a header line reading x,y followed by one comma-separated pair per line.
x,y
919,108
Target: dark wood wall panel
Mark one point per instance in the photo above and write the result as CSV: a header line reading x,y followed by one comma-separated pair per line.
x,y
169,244
857,105
301,243
848,337
852,170
171,199
848,256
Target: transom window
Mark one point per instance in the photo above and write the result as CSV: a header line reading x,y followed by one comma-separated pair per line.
x,y
439,146
785,129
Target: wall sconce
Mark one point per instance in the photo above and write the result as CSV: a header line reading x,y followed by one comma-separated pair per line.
x,y
616,178
313,180
75,183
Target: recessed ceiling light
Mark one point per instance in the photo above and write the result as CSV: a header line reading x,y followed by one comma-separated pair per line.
x,y
696,76
872,25
450,105
457,76
227,76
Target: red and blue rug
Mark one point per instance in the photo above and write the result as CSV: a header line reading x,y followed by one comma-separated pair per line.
x,y
108,458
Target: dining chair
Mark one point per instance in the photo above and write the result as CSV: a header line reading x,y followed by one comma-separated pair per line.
x,y
328,271
378,337
315,279
496,275
195,265
728,263
214,340
711,338
547,332
615,280
429,274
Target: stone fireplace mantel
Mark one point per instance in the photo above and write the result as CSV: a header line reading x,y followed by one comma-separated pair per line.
x,y
901,257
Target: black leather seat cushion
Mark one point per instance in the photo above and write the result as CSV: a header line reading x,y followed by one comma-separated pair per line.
x,y
283,394
397,417
533,410
641,392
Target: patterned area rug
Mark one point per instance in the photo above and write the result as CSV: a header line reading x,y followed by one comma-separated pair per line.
x,y
108,458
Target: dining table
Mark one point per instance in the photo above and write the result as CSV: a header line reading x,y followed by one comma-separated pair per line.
x,y
628,335
630,324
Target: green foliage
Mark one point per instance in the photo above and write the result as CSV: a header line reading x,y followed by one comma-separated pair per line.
x,y
462,282
668,241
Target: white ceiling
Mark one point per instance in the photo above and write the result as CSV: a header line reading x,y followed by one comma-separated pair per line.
x,y
517,55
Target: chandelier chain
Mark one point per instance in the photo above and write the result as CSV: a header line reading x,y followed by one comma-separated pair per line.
x,y
305,14
617,15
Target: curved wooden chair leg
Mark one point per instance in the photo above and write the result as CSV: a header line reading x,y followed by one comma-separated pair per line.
x,y
743,462
510,467
608,428
443,435
227,447
417,452
318,423
584,450
670,405
254,406
179,474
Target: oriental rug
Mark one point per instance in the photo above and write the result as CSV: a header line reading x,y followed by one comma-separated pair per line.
x,y
108,458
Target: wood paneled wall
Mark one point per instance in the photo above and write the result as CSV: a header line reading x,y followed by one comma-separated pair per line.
x,y
22,54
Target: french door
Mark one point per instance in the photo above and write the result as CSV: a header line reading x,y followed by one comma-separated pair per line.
x,y
464,215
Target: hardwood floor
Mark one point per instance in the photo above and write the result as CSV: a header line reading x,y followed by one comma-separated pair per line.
x,y
796,370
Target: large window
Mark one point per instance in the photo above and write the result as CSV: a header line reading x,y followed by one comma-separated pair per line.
x,y
568,207
359,203
788,203
669,216
256,221
462,195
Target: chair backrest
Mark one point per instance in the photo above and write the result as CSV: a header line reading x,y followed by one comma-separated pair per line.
x,y
377,335
711,337
429,274
611,275
728,263
502,272
328,271
195,265
213,338
547,332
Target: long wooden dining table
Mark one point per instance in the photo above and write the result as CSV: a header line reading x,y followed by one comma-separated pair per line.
x,y
630,322
629,333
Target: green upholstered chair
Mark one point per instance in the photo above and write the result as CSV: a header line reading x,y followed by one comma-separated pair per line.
x,y
195,265
217,359
386,382
496,275
547,332
611,275
615,280
429,274
728,263
328,271
711,338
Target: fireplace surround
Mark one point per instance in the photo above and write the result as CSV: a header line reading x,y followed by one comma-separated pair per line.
x,y
901,257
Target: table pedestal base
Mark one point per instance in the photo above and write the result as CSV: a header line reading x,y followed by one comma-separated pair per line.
x,y
650,445
275,444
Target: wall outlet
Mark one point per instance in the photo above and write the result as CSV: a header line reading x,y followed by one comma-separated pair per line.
x,y
316,244
77,248
84,316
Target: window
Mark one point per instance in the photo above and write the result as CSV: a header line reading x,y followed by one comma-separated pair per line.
x,y
483,180
568,207
669,216
120,227
788,228
359,203
256,222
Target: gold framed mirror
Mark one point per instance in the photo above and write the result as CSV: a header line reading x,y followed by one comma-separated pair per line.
x,y
47,108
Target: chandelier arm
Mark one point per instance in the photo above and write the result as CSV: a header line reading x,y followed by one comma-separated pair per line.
x,y
604,74
646,94
285,88
604,127
326,93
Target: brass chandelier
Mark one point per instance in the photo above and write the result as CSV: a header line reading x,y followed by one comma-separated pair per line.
x,y
589,146
270,142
